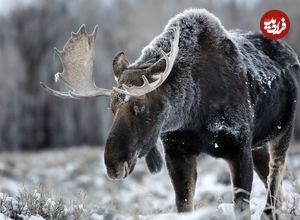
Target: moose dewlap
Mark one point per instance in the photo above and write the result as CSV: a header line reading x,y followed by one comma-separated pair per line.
x,y
195,86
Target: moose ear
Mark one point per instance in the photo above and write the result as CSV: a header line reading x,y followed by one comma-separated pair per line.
x,y
120,63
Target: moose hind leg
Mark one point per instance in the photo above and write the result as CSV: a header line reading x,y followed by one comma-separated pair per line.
x,y
183,173
277,149
241,167
261,160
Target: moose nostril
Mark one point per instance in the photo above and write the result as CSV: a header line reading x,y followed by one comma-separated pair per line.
x,y
109,142
117,171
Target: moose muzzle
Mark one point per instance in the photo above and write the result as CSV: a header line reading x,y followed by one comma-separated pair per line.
x,y
120,154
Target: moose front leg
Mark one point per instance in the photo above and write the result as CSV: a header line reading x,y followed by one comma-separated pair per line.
x,y
183,172
241,167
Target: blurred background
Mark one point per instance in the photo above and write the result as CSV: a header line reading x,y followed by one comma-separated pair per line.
x,y
29,29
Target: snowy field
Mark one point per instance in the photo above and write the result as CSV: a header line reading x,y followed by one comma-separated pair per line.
x,y
72,184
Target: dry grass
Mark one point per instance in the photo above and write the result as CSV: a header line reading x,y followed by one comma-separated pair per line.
x,y
39,203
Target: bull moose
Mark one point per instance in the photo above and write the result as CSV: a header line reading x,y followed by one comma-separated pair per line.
x,y
196,86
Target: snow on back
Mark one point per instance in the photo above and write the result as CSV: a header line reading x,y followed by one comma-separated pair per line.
x,y
191,23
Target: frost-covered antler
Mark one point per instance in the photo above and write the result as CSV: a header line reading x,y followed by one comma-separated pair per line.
x,y
149,87
77,58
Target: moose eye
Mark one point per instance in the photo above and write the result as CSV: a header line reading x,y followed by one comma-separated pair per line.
x,y
138,109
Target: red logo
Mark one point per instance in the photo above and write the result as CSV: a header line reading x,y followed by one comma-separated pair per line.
x,y
275,24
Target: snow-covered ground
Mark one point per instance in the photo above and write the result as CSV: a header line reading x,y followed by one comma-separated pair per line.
x,y
78,176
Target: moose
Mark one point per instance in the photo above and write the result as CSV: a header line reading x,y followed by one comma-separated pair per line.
x,y
201,89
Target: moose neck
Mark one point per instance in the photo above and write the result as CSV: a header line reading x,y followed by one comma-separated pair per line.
x,y
182,102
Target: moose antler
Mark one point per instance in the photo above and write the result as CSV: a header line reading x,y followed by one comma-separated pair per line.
x,y
149,87
77,58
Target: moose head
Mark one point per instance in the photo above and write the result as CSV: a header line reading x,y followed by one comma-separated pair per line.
x,y
136,102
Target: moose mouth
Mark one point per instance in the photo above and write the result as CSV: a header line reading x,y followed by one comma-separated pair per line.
x,y
122,170
128,168
118,169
